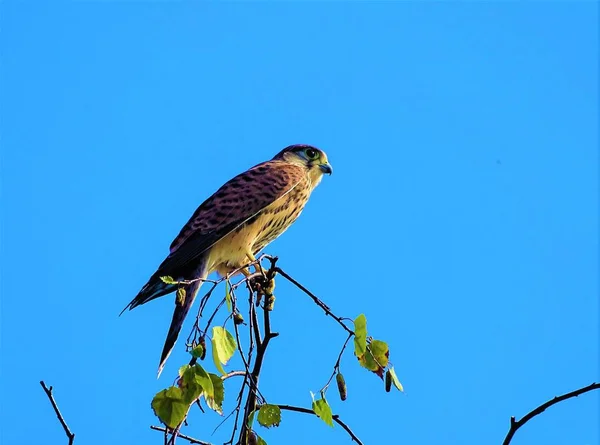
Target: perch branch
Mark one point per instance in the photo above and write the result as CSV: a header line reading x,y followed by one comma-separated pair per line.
x,y
261,348
68,432
516,424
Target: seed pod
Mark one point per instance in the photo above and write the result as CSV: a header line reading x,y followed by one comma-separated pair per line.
x,y
238,318
270,302
341,384
252,439
388,381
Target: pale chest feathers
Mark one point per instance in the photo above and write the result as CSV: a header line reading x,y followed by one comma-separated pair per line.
x,y
232,251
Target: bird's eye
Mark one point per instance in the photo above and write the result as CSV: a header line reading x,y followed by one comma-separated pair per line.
x,y
311,153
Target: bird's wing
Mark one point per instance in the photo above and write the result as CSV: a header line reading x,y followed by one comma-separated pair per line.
x,y
234,204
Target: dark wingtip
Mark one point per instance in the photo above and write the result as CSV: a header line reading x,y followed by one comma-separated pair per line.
x,y
125,308
165,355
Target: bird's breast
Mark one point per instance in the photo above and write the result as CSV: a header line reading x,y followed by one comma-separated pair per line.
x,y
253,236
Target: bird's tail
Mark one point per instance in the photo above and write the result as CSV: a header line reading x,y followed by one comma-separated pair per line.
x,y
183,303
154,288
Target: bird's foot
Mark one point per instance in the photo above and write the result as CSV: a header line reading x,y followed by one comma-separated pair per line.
x,y
264,286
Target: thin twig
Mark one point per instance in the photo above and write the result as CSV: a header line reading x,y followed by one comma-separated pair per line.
x,y
336,367
236,410
68,432
183,436
196,328
233,374
316,299
516,424
335,417
256,284
209,322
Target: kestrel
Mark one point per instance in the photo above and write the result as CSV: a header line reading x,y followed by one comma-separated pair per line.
x,y
233,225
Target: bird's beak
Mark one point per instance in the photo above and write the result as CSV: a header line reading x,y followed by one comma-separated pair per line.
x,y
326,168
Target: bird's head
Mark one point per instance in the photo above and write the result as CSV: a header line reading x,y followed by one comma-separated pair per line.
x,y
313,159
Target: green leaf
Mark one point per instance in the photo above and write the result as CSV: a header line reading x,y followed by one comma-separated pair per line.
x,y
269,415
250,419
395,380
260,440
368,361
216,403
322,409
380,351
375,357
203,379
227,296
195,382
191,390
168,280
223,347
360,335
169,406
198,352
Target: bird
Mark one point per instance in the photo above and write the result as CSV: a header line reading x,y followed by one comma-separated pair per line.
x,y
227,231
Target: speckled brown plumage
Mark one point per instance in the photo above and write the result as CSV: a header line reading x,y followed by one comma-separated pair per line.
x,y
234,224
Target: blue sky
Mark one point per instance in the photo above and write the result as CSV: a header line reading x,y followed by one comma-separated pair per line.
x,y
461,218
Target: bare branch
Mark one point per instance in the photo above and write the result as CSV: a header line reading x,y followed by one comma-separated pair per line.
x,y
260,355
261,348
183,436
516,424
335,417
316,299
68,432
